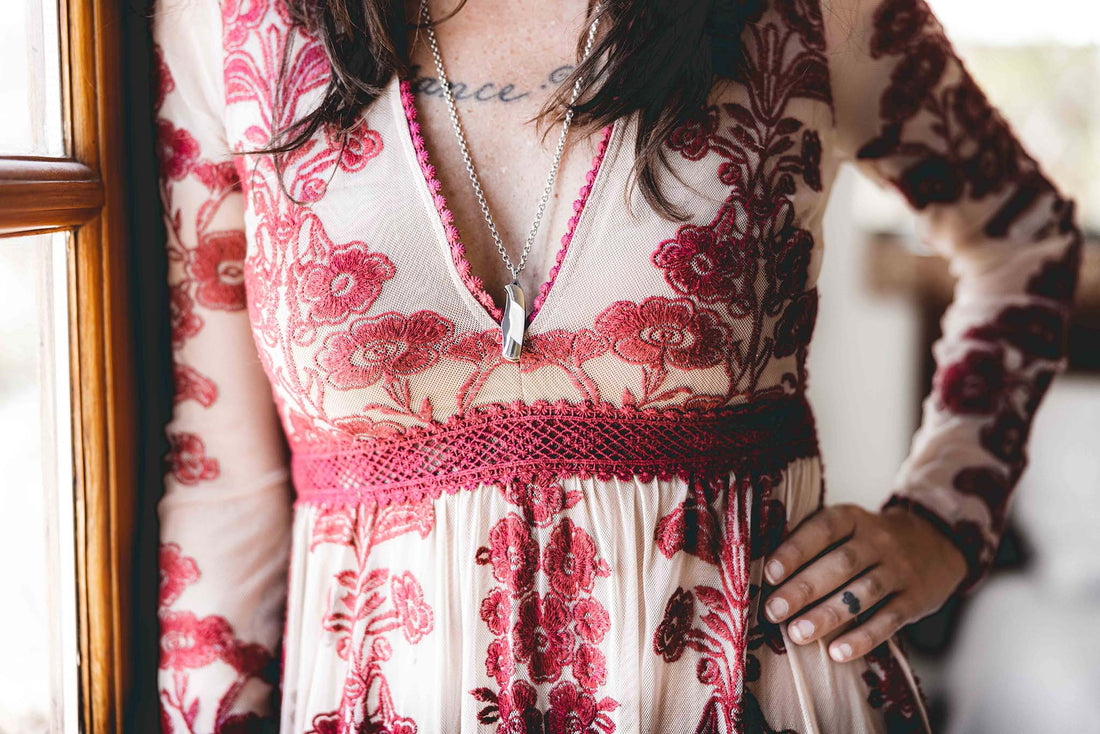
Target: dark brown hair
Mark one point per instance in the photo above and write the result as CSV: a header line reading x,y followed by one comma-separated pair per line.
x,y
657,58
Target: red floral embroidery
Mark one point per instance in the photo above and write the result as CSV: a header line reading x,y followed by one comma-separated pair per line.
x,y
190,385
187,459
701,264
416,616
348,282
660,331
670,639
541,637
540,497
177,572
570,560
889,690
972,385
218,267
591,619
513,553
388,345
177,150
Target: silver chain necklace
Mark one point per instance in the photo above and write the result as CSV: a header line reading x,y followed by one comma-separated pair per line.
x,y
514,319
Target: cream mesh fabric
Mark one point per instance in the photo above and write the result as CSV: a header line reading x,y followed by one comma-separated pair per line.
x,y
343,316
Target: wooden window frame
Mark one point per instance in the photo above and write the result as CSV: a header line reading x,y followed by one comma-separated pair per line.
x,y
84,193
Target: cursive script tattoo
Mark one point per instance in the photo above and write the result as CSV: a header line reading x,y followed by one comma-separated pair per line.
x,y
850,599
487,92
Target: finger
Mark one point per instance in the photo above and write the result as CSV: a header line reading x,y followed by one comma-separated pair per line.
x,y
851,602
827,573
887,620
814,535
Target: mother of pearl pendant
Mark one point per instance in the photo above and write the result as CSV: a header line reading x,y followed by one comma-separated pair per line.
x,y
514,322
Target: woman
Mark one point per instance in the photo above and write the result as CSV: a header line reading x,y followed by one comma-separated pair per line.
x,y
596,505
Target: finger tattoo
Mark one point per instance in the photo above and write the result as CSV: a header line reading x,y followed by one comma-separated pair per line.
x,y
852,601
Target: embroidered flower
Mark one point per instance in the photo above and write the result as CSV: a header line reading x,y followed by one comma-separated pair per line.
x,y
660,331
670,638
358,145
218,267
518,707
1057,278
796,325
541,636
791,262
804,16
189,642
889,689
540,497
415,614
177,149
896,24
972,385
347,282
591,620
177,572
691,138
513,553
697,263
913,79
692,528
575,711
496,610
499,664
590,667
570,560
239,18
1037,331
1006,438
187,459
933,179
389,345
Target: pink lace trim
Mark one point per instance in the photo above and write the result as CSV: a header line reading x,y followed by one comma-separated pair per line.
x,y
458,250
504,443
578,209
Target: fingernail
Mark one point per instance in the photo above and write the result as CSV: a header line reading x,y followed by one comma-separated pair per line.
x,y
801,630
841,652
774,571
777,607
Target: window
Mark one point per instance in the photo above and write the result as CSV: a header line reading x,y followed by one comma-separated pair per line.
x,y
66,485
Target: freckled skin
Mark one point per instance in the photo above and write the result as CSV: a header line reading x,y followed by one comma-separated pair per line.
x,y
505,59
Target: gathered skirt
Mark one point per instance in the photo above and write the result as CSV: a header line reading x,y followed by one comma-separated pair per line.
x,y
575,604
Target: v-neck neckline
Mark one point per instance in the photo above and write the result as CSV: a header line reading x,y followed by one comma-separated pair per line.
x,y
444,218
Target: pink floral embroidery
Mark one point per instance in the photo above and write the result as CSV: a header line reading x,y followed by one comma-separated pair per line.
x,y
496,610
570,560
541,637
218,267
177,150
190,385
591,619
540,497
699,263
187,459
177,572
513,553
416,616
575,711
388,345
660,331
347,282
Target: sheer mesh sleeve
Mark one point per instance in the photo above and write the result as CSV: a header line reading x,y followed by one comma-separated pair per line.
x,y
225,514
908,113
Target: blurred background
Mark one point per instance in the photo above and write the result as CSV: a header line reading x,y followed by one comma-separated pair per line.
x,y
1023,655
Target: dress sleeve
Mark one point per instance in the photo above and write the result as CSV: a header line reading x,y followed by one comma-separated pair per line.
x,y
225,514
908,113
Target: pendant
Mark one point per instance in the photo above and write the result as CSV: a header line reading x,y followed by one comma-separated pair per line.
x,y
514,321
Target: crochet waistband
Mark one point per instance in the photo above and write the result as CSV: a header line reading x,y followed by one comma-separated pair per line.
x,y
504,443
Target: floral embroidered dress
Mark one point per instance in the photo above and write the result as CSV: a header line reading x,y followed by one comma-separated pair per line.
x,y
374,523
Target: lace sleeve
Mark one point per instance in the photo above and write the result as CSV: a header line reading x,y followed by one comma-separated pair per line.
x,y
225,513
909,114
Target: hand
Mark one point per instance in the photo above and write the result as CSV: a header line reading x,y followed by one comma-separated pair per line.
x,y
893,557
